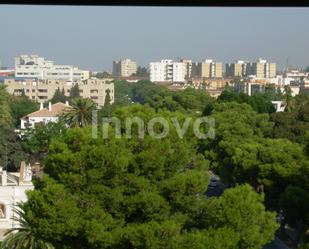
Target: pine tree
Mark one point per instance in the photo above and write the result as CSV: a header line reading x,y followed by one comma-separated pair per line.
x,y
74,93
59,96
107,109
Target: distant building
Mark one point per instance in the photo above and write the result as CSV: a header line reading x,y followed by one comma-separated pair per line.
x,y
13,188
210,83
7,72
237,69
167,71
34,66
42,91
44,115
279,106
188,67
207,69
261,69
125,67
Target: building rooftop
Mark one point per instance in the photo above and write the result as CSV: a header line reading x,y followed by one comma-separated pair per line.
x,y
52,111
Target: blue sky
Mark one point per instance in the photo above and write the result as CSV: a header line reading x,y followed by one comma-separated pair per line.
x,y
91,37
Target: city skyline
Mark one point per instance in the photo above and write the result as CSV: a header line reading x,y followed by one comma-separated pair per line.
x,y
93,37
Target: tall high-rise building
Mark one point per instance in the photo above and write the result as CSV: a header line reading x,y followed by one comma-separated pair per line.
x,y
188,67
207,69
33,66
239,68
167,70
124,67
261,69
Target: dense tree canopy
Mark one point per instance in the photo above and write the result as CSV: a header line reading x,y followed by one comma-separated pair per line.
x,y
150,193
138,193
260,102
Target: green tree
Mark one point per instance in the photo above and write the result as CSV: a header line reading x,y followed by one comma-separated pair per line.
x,y
108,108
138,193
35,141
141,72
21,106
5,112
11,152
25,236
59,96
242,209
79,114
103,75
287,96
74,92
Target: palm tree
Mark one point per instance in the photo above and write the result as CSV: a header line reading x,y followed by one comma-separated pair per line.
x,y
25,236
79,114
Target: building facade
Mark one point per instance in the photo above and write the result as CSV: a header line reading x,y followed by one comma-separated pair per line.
x,y
43,90
44,115
188,67
34,66
167,71
207,69
261,69
125,67
237,69
13,188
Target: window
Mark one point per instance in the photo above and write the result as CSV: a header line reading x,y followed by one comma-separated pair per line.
x,y
33,90
2,211
27,90
94,97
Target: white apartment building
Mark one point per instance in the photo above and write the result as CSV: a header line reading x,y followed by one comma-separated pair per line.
x,y
34,66
167,70
13,188
124,67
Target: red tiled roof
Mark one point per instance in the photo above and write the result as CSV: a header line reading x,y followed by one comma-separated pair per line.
x,y
56,110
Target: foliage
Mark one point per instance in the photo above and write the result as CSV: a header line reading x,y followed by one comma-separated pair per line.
x,y
141,72
242,209
10,149
21,106
106,110
260,102
123,92
5,111
59,96
103,75
35,141
79,114
139,193
74,92
293,125
25,236
242,152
